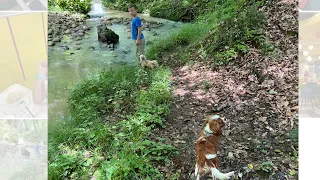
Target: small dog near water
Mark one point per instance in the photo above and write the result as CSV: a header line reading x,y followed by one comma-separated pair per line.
x,y
147,63
207,147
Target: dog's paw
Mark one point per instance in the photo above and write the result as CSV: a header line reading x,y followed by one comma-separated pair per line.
x,y
229,175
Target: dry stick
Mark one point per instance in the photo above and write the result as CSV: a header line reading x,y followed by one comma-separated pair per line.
x,y
15,46
44,34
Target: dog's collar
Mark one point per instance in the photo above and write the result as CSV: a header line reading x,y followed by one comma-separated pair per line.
x,y
208,133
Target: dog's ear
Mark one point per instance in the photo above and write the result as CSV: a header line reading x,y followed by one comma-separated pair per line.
x,y
215,123
219,125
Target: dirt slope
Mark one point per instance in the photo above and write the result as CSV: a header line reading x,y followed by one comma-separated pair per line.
x,y
258,97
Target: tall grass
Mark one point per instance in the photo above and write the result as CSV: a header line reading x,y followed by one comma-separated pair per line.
x,y
188,34
224,34
88,145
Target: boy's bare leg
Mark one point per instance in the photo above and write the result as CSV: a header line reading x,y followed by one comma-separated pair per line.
x,y
140,49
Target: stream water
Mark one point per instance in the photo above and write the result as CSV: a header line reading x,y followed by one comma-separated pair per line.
x,y
68,67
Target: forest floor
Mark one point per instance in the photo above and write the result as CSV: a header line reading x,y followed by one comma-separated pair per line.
x,y
259,99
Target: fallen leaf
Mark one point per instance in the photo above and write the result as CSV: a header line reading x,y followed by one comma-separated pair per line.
x,y
292,172
272,92
263,119
277,150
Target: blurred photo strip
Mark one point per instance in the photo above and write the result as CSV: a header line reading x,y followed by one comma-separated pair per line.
x,y
309,87
23,5
23,149
23,65
309,61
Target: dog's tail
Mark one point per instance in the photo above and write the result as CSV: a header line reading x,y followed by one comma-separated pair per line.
x,y
222,176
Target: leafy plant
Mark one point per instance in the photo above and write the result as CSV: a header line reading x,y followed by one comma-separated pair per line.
x,y
266,166
223,34
118,150
80,6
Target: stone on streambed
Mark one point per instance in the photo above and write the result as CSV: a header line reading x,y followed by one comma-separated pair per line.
x,y
50,43
79,38
115,21
68,31
50,31
77,47
77,28
86,28
106,35
126,51
56,39
64,48
108,22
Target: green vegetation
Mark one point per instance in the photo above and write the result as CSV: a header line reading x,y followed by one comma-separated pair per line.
x,y
90,144
187,35
225,34
79,6
109,133
177,10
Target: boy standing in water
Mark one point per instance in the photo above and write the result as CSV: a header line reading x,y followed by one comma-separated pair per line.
x,y
136,29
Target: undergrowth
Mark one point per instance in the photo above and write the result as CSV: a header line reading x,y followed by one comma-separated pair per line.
x,y
79,6
86,146
187,35
223,35
174,10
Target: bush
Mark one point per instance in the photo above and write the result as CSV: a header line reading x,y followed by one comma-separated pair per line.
x,y
223,35
177,10
80,6
122,5
188,34
173,10
111,91
239,30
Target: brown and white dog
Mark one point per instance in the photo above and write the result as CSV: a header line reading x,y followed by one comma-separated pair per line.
x,y
207,148
147,63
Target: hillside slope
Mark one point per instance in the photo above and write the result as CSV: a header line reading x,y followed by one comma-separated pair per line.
x,y
255,89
